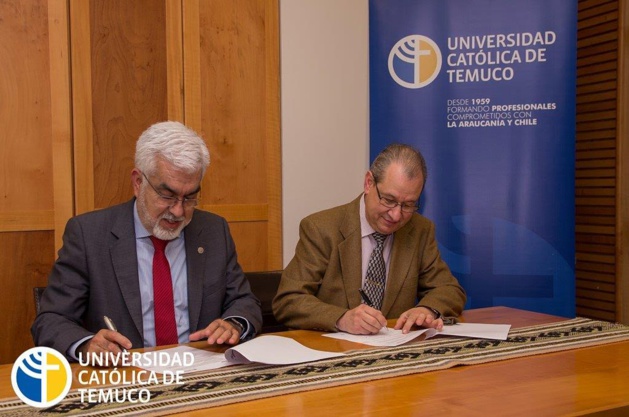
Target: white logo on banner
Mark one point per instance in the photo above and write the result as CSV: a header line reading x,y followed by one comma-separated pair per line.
x,y
414,61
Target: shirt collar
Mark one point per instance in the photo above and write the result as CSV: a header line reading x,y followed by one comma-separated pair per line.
x,y
365,227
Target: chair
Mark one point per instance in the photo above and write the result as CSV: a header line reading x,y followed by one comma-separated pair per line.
x,y
264,286
37,294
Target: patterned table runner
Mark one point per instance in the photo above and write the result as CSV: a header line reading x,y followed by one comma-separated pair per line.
x,y
254,381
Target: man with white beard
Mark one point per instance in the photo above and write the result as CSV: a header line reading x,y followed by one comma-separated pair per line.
x,y
162,271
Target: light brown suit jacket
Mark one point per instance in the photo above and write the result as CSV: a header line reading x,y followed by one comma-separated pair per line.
x,y
322,280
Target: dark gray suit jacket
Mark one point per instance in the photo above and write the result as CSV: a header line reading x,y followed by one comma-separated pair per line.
x,y
96,274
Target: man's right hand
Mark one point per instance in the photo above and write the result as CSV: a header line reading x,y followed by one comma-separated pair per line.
x,y
362,320
105,341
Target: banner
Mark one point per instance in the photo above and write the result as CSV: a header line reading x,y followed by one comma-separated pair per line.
x,y
486,90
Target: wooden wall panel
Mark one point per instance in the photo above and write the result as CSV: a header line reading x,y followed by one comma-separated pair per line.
x,y
251,244
232,98
83,148
61,116
596,159
35,184
26,160
622,174
128,40
122,78
26,259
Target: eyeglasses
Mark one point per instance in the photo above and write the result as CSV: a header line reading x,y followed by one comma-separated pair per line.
x,y
171,201
390,203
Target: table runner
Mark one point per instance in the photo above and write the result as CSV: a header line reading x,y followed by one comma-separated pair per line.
x,y
254,381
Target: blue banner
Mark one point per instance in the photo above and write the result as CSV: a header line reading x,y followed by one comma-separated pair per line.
x,y
486,90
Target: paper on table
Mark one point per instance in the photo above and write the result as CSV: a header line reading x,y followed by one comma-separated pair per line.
x,y
388,337
477,330
392,337
272,350
203,360
275,350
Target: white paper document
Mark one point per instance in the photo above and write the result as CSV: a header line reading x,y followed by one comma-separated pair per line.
x,y
275,350
202,360
385,337
392,337
477,330
267,349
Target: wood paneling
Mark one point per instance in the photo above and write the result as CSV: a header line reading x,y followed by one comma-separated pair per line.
x,y
35,185
121,75
61,116
82,105
622,220
251,244
25,118
233,97
596,159
273,137
26,259
235,107
129,87
174,64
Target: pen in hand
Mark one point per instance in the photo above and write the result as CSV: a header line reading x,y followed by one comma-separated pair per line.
x,y
111,326
367,301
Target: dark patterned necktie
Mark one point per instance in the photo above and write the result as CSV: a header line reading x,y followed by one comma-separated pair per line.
x,y
163,303
376,272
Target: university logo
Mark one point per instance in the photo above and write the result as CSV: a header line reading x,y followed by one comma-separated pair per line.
x,y
41,377
414,61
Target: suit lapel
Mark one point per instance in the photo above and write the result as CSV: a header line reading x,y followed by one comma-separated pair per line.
x,y
124,260
195,248
401,257
350,251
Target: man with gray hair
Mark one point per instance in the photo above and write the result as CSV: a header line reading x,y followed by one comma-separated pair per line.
x,y
162,271
376,258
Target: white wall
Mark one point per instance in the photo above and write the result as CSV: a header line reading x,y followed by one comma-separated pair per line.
x,y
325,107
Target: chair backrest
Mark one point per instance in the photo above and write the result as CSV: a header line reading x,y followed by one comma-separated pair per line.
x,y
37,293
264,286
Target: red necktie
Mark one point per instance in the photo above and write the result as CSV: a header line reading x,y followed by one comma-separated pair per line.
x,y
163,304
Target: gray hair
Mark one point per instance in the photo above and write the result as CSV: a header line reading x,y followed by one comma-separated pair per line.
x,y
407,156
175,143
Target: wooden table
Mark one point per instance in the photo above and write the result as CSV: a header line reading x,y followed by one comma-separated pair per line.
x,y
587,381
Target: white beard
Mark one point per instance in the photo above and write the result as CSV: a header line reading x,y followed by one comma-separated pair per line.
x,y
157,230
166,234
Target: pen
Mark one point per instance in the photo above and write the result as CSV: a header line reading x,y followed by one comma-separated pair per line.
x,y
367,301
111,326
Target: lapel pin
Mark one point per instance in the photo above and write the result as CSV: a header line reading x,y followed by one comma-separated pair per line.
x,y
200,249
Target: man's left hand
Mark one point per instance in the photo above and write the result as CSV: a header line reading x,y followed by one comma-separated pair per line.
x,y
419,316
219,332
